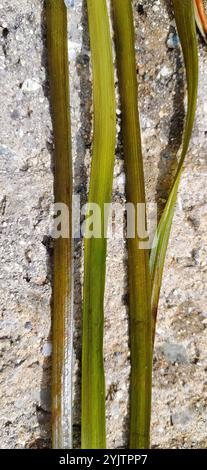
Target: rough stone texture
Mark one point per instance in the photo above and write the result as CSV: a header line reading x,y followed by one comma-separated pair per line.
x,y
26,197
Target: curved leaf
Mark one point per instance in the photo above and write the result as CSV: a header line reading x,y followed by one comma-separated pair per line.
x,y
185,21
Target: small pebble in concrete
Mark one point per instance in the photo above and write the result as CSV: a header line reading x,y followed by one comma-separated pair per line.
x,y
173,41
47,349
174,353
31,85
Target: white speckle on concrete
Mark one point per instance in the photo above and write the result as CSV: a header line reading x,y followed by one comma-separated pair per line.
x,y
47,349
31,85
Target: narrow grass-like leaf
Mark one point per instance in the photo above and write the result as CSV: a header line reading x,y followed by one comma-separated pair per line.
x,y
185,21
138,259
62,299
93,382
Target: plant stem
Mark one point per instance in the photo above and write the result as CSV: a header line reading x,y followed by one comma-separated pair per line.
x,y
93,383
62,291
138,259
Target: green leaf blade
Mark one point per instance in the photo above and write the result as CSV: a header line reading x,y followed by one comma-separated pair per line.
x,y
138,259
185,21
93,381
62,315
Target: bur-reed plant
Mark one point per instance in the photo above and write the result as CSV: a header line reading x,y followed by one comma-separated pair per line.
x,y
145,269
138,258
144,293
185,21
93,432
56,16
